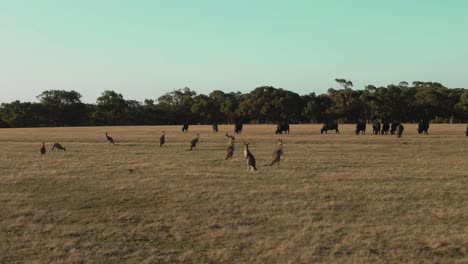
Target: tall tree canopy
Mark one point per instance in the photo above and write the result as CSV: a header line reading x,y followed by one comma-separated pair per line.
x,y
266,104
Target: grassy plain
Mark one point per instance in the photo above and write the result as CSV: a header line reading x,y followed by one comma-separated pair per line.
x,y
334,198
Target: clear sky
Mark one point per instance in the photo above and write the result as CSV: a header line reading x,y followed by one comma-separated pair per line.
x,y
145,48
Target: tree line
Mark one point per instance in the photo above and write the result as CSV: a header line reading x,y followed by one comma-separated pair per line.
x,y
266,104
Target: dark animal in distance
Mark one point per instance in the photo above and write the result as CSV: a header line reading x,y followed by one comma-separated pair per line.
x,y
466,132
251,163
43,149
330,126
360,128
400,129
109,139
58,147
238,128
394,127
376,127
423,127
385,128
194,142
283,127
215,127
162,139
185,127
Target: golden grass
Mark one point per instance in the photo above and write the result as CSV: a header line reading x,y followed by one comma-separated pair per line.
x,y
334,198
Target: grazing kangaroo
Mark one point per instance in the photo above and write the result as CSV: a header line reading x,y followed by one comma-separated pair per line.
x,y
162,139
194,142
43,149
277,154
230,137
109,139
230,149
58,147
251,163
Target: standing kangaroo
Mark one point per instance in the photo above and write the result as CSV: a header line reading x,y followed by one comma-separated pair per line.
x,y
109,139
58,147
194,142
162,139
277,153
43,149
230,149
251,163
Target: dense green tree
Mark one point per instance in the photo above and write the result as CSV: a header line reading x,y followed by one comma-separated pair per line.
x,y
62,107
180,103
461,107
346,104
110,109
271,105
16,114
205,110
266,104
230,107
316,108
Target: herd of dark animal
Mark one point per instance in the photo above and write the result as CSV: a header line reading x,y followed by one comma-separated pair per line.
x,y
377,129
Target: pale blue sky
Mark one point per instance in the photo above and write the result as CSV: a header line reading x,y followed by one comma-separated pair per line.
x,y
144,49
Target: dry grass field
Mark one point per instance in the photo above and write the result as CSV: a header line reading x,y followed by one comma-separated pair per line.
x,y
333,199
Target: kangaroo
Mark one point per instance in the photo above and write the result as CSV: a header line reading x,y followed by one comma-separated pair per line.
x,y
194,142
230,137
251,163
162,139
58,147
277,154
109,139
43,149
230,149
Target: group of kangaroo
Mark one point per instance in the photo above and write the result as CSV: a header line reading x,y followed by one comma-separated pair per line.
x,y
250,158
57,146
251,162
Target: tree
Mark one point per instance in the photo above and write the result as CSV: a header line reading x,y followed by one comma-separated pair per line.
x,y
316,108
346,84
110,109
205,110
180,104
461,108
62,107
230,106
16,114
267,104
403,84
347,104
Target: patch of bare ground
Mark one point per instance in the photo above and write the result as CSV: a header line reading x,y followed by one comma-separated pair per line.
x,y
333,199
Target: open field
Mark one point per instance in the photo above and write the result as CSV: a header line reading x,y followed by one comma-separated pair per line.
x,y
334,198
